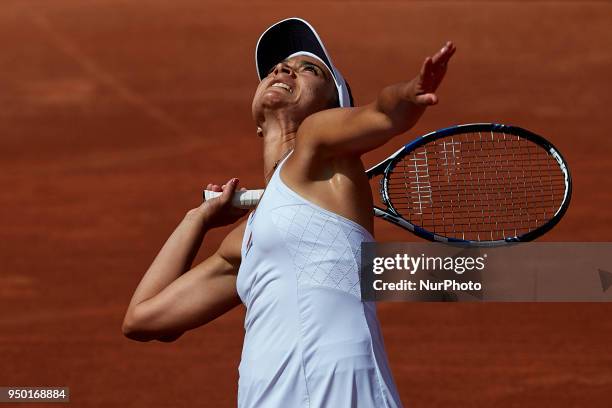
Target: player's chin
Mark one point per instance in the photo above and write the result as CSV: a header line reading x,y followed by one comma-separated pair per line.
x,y
273,100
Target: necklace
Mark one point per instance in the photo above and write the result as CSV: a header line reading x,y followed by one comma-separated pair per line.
x,y
276,163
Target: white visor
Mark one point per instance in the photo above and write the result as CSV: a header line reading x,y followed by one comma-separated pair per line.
x,y
291,37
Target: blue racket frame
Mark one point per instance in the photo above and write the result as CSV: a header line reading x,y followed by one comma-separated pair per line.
x,y
385,168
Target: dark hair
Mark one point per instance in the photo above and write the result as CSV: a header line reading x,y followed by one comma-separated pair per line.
x,y
335,102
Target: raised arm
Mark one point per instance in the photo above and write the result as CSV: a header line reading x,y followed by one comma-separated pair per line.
x,y
355,131
171,298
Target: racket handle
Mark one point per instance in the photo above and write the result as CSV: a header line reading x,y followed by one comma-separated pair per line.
x,y
242,199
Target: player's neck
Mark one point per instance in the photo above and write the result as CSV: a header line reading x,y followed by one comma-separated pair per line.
x,y
277,126
276,147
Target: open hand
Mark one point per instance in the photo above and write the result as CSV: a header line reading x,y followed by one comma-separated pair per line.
x,y
431,75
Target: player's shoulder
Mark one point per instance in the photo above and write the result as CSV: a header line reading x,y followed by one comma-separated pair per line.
x,y
311,164
313,130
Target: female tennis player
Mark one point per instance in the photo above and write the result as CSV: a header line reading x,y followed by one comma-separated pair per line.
x,y
310,341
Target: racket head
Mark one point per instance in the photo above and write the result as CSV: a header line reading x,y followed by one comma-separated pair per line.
x,y
434,186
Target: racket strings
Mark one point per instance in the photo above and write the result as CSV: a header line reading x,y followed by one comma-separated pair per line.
x,y
477,186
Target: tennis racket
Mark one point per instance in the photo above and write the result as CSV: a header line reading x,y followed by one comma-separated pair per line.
x,y
481,184
242,199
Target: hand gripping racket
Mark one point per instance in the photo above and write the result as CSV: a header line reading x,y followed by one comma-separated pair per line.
x,y
483,184
242,199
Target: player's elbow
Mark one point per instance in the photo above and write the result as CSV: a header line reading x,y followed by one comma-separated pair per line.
x,y
133,333
137,326
134,328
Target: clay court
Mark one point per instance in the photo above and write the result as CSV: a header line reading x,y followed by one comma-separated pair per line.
x,y
114,114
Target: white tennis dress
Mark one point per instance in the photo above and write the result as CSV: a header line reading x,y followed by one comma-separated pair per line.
x,y
310,341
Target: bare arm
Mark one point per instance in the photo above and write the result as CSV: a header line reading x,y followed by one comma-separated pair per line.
x,y
355,131
170,298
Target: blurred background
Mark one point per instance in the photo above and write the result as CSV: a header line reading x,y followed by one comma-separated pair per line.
x,y
114,114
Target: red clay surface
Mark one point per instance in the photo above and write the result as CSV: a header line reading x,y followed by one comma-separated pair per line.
x,y
114,114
